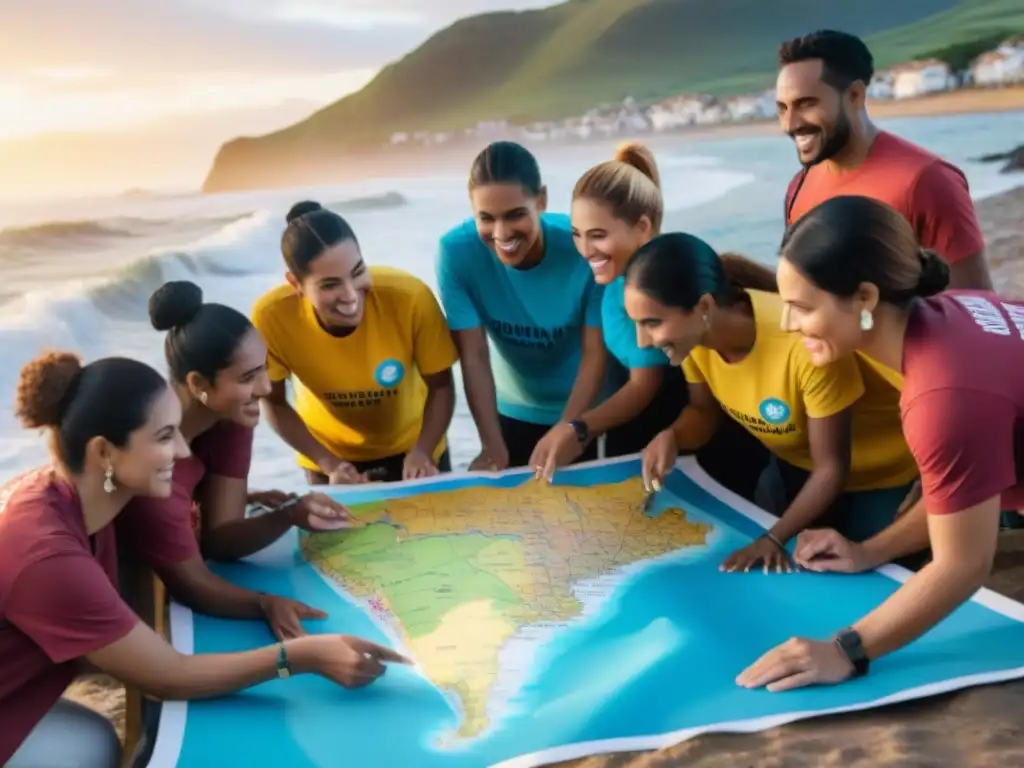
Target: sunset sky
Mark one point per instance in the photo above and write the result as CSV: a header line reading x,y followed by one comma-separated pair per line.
x,y
121,89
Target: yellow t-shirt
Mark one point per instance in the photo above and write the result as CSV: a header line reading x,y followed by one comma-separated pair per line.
x,y
776,388
884,372
361,396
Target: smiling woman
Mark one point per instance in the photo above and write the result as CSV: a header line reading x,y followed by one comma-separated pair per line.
x,y
217,362
858,281
524,310
834,431
369,351
115,425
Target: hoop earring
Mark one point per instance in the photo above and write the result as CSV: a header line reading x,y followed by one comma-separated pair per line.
x,y
108,480
867,320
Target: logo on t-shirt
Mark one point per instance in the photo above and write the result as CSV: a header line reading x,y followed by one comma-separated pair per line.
x,y
389,373
774,411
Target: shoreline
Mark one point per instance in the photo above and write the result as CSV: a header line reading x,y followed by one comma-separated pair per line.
x,y
386,162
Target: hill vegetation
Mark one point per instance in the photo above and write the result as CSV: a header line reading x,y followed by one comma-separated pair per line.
x,y
565,59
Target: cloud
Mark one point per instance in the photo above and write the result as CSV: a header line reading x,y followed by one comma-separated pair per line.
x,y
142,37
264,36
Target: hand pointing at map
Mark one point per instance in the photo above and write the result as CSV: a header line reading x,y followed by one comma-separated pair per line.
x,y
319,512
557,448
349,661
659,457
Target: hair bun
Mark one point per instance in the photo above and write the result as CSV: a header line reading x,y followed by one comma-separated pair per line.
x,y
301,209
934,273
45,387
175,304
640,157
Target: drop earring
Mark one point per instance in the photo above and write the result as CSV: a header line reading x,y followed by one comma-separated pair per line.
x,y
108,480
867,320
203,397
707,321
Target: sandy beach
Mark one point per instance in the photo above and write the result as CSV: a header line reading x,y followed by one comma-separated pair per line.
x,y
980,727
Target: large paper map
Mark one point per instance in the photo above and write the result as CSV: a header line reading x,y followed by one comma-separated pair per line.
x,y
548,622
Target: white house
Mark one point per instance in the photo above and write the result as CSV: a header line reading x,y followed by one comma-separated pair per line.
x,y
1003,66
664,118
677,112
881,86
918,78
742,108
767,105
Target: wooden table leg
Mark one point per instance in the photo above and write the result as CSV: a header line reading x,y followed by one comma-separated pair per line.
x,y
157,618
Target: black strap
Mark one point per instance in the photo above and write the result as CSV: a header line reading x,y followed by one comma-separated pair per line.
x,y
791,199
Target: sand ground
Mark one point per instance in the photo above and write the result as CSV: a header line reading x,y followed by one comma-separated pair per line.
x,y
977,728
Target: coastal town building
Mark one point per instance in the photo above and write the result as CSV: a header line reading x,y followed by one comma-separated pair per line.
x,y
911,79
1003,66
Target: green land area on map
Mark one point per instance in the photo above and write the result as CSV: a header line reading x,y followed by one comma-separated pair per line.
x,y
460,572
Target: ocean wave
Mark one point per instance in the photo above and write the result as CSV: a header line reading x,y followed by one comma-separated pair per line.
x,y
59,235
370,202
101,233
243,247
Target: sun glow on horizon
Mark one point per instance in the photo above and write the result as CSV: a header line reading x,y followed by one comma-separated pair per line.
x,y
84,100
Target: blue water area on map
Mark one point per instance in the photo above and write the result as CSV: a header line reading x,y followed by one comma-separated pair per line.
x,y
661,657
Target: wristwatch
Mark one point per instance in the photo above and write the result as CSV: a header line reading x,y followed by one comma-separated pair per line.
x,y
850,644
581,429
284,669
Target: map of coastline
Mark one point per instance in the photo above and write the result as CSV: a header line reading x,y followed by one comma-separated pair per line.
x,y
459,573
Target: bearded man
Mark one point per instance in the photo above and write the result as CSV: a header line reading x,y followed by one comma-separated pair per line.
x,y
821,96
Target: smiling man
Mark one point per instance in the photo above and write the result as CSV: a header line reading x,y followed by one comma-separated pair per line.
x,y
821,96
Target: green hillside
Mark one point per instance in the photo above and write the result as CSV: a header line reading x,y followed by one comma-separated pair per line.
x,y
563,60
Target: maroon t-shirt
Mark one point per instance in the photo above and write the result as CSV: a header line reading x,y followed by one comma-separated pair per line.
x,y
58,598
930,193
963,399
164,531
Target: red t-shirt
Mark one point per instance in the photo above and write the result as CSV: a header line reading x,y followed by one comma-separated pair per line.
x,y
58,598
963,399
932,194
164,531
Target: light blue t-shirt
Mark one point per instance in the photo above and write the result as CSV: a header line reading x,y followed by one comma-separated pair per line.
x,y
533,317
619,331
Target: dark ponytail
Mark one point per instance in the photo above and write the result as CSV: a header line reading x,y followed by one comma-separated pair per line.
x,y
744,273
677,269
934,277
851,240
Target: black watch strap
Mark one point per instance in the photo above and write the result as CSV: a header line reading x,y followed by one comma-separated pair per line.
x,y
850,644
284,668
581,429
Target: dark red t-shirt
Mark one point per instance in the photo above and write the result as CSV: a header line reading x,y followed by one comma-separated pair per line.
x,y
164,531
58,598
932,194
963,399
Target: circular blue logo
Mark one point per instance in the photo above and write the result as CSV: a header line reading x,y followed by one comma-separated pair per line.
x,y
774,411
389,373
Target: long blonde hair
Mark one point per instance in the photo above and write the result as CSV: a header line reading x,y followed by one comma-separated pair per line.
x,y
628,184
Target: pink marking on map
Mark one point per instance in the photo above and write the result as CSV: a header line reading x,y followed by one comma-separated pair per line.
x,y
377,606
